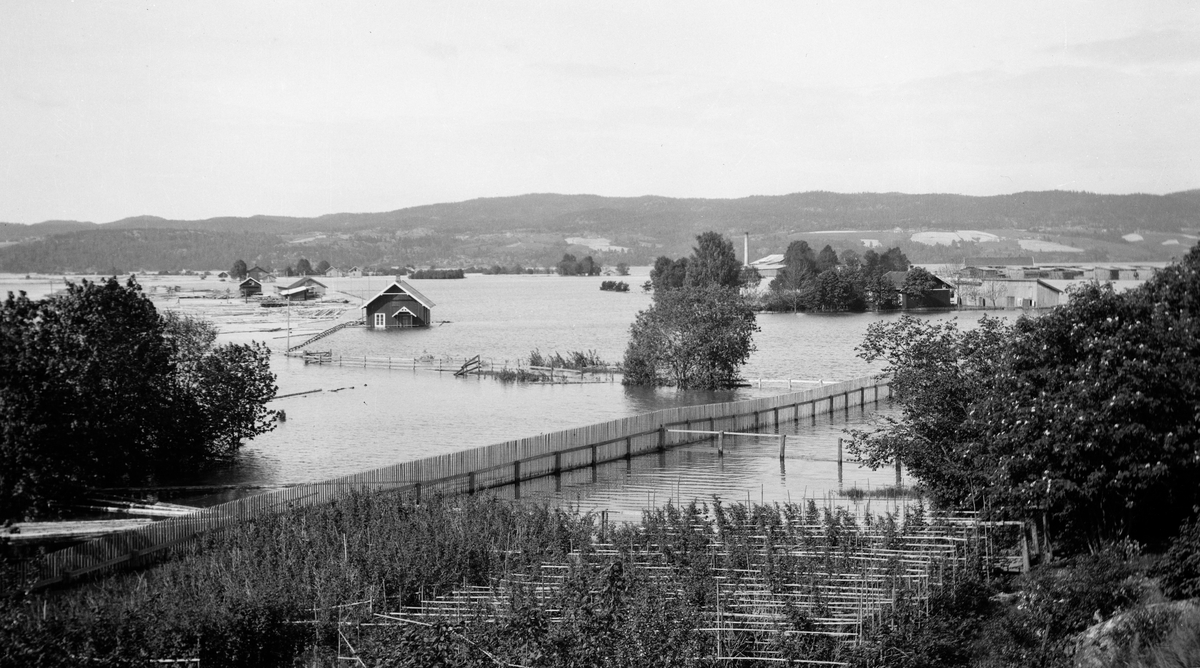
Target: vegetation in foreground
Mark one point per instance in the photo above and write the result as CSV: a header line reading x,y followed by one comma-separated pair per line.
x,y
313,584
99,389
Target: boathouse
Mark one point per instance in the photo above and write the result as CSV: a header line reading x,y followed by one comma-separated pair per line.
x,y
303,289
250,287
397,305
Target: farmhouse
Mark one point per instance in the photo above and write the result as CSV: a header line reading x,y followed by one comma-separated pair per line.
x,y
397,305
354,272
258,273
250,287
303,289
334,272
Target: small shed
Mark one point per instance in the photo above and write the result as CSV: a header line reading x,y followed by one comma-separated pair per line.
x,y
223,275
303,289
939,297
250,287
398,305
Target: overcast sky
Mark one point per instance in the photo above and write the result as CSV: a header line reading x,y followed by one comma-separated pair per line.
x,y
207,108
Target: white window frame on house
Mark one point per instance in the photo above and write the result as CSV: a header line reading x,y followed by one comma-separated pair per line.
x,y
381,320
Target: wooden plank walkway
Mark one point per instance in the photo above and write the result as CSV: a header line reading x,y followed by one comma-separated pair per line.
x,y
466,471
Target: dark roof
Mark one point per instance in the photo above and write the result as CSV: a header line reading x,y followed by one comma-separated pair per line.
x,y
305,281
397,286
897,279
998,261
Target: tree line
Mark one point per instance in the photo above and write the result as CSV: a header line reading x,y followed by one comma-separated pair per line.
x,y
827,281
99,389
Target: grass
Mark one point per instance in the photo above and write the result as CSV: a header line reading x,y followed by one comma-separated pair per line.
x,y
889,492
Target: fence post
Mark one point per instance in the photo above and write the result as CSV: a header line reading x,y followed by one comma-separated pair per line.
x,y
897,471
777,418
516,471
557,463
471,482
593,456
628,447
782,445
662,438
721,444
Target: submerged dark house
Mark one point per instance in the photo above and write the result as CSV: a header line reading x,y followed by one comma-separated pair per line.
x,y
398,305
250,287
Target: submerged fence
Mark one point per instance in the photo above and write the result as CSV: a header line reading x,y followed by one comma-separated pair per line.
x,y
507,463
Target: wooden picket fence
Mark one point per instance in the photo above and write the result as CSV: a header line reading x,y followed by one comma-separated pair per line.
x,y
466,471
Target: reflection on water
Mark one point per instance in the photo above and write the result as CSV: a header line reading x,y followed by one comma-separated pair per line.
x,y
749,471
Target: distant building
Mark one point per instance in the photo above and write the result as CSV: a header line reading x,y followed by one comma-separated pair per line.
x,y
354,272
257,273
769,267
304,289
398,305
940,297
334,272
250,287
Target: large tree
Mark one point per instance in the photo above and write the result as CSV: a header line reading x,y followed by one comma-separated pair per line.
x,y
239,270
303,267
691,337
713,262
1087,416
96,389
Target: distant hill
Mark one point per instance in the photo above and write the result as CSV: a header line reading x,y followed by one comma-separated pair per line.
x,y
527,228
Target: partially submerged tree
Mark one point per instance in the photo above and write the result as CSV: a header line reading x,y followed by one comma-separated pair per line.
x,y
96,389
691,337
239,270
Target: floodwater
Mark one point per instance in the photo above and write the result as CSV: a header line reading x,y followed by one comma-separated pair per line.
x,y
365,418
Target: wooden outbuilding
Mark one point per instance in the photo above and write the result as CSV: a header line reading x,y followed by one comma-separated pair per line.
x,y
398,305
940,297
250,287
303,289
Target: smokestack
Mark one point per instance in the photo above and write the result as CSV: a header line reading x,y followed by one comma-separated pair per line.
x,y
746,250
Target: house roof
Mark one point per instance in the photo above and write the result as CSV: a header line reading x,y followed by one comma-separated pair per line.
x,y
307,280
999,261
293,290
249,279
776,258
397,286
897,279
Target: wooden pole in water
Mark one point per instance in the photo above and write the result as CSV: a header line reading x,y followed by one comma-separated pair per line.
x,y
721,444
782,446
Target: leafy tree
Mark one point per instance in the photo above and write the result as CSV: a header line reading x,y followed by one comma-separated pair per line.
x,y
893,260
322,266
239,270
713,262
749,277
622,269
303,267
851,259
97,389
668,274
1088,413
836,292
917,284
936,371
827,259
691,337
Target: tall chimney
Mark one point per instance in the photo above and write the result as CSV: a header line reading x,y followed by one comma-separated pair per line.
x,y
746,249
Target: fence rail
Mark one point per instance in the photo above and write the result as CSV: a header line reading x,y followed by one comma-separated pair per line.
x,y
466,471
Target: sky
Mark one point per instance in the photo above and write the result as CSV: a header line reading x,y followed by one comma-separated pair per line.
x,y
200,109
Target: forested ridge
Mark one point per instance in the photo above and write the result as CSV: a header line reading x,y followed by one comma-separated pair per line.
x,y
531,228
